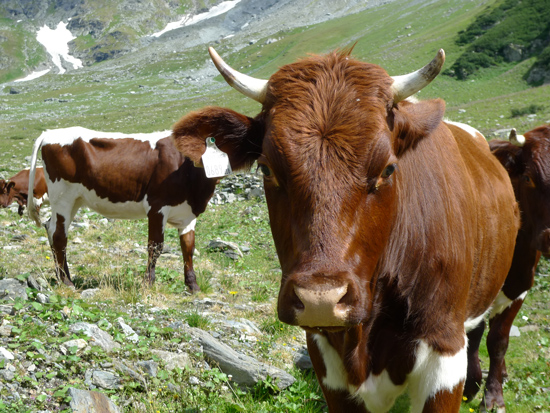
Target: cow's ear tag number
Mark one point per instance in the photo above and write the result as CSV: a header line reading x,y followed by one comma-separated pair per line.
x,y
216,163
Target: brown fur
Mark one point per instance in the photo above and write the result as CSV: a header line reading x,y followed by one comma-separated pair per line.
x,y
16,189
529,170
417,252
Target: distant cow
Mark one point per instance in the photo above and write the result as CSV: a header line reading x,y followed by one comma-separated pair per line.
x,y
394,229
527,160
16,189
126,176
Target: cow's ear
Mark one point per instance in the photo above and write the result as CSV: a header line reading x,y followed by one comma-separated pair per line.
x,y
509,155
410,122
237,135
10,185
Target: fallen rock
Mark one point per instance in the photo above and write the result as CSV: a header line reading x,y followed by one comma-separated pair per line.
x,y
83,401
98,336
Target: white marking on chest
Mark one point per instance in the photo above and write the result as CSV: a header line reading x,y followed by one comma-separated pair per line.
x,y
472,323
434,372
67,136
378,392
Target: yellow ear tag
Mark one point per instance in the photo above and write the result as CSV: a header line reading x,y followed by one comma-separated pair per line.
x,y
216,163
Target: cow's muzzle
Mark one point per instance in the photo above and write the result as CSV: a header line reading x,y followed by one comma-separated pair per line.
x,y
320,301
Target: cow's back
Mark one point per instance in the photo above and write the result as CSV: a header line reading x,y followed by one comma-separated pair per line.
x,y
498,218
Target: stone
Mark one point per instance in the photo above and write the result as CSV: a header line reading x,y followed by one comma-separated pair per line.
x,y
104,379
42,298
149,367
245,370
7,309
514,331
173,360
130,334
98,336
6,354
302,360
10,289
83,401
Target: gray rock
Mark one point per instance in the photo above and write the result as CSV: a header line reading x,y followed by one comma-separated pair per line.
x,y
6,355
246,371
83,401
130,334
33,283
99,337
5,330
173,360
231,249
124,369
104,379
42,298
302,359
149,367
6,375
10,289
7,309
514,331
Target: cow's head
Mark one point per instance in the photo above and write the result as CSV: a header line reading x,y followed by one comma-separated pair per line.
x,y
6,193
527,160
328,141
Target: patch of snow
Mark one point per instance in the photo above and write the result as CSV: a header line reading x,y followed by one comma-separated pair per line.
x,y
56,43
33,75
189,19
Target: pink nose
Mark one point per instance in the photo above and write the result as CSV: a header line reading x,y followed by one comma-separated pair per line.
x,y
319,300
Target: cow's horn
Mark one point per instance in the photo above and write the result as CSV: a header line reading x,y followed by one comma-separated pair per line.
x,y
407,85
249,86
514,138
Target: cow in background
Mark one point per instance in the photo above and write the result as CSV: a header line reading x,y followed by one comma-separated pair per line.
x,y
527,160
16,188
123,176
394,230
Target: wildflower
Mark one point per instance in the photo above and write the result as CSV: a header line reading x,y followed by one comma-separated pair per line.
x,y
47,257
293,338
471,410
232,292
464,398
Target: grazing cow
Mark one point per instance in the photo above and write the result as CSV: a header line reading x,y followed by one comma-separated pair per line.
x,y
527,160
394,229
17,188
127,176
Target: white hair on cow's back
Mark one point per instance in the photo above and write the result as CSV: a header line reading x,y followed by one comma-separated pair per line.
x,y
66,136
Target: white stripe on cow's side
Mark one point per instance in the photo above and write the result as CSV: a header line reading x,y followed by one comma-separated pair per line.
x,y
66,136
464,126
472,323
434,372
502,303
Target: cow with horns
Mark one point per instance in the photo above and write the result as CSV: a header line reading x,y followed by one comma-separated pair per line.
x,y
526,158
394,229
16,189
126,176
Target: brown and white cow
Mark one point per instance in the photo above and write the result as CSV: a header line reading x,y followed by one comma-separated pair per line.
x,y
527,161
126,176
16,189
394,230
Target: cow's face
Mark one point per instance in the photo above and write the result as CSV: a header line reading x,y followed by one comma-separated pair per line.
x,y
6,193
332,132
529,169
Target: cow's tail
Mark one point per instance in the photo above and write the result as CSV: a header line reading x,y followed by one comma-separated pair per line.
x,y
31,207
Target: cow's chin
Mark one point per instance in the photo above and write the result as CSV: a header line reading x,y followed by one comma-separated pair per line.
x,y
324,330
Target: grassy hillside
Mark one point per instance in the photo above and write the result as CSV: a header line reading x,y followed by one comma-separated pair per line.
x,y
149,90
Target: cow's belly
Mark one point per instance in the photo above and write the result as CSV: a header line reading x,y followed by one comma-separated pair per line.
x,y
66,197
432,372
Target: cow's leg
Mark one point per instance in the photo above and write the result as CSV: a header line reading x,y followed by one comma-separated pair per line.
x,y
154,244
474,376
497,344
508,303
187,243
57,234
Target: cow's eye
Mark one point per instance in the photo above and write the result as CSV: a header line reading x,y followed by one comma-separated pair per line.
x,y
389,170
264,169
528,180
